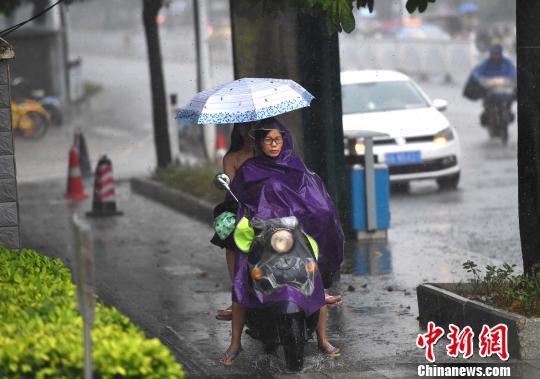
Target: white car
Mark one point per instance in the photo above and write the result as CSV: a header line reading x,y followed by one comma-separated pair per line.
x,y
420,143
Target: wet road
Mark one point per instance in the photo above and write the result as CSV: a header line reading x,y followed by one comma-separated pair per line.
x,y
480,219
158,267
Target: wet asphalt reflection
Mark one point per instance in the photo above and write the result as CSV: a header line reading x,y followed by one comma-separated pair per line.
x,y
367,258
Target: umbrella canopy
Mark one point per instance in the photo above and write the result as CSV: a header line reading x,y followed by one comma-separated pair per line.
x,y
244,100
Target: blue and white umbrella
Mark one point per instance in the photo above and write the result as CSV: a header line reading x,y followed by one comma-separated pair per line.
x,y
244,100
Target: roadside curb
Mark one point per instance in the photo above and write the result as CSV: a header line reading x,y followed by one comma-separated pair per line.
x,y
441,303
172,198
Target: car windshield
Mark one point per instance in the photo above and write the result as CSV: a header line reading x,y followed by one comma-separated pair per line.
x,y
381,96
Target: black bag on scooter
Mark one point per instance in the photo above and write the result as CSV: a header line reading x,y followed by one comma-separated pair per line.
x,y
473,90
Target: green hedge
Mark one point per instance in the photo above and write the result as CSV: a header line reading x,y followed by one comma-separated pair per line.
x,y
41,333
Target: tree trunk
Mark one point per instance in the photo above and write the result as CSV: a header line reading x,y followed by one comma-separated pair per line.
x,y
159,98
528,56
323,129
294,45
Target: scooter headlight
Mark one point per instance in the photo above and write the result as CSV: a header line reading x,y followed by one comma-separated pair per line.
x,y
282,241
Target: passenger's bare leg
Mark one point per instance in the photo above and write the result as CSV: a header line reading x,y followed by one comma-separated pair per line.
x,y
238,312
322,334
230,255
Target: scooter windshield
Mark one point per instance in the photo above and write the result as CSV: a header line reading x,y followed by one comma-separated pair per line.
x,y
281,256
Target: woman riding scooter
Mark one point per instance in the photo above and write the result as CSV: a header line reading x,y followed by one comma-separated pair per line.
x,y
276,183
241,149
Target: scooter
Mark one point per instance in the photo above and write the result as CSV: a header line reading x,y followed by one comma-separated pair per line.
x,y
30,120
281,255
51,104
500,93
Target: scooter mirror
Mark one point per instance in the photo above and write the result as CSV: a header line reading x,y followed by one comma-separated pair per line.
x,y
222,181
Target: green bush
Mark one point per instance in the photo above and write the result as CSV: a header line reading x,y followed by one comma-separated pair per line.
x,y
197,181
41,331
501,288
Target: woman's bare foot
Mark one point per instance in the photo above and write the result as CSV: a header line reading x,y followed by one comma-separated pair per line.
x,y
333,300
224,314
327,348
230,355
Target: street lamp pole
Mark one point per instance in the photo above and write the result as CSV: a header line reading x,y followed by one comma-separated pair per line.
x,y
200,19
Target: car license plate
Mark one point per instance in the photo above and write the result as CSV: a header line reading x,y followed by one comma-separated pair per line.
x,y
405,157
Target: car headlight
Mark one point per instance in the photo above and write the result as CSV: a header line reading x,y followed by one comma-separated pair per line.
x,y
282,241
443,136
359,147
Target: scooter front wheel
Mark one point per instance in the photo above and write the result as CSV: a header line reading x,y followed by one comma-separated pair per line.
x,y
293,339
270,347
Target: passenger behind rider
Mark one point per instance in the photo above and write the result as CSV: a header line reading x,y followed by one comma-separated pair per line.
x,y
241,149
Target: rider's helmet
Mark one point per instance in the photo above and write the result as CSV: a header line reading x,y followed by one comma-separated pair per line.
x,y
496,52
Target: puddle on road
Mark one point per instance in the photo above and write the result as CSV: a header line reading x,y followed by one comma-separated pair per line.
x,y
367,258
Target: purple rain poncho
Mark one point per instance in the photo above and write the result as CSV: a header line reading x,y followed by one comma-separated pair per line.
x,y
280,187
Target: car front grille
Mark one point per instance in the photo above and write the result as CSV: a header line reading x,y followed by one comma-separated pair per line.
x,y
425,166
420,139
392,141
384,141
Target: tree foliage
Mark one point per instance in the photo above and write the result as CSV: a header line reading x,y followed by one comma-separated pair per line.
x,y
8,6
339,13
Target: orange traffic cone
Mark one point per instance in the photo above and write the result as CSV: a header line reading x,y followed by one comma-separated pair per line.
x,y
104,203
221,149
75,187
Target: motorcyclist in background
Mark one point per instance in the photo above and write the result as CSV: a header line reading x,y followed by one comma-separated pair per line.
x,y
495,93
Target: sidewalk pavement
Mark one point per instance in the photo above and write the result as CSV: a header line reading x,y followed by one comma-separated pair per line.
x,y
158,267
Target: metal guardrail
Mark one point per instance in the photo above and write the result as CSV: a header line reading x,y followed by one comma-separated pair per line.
x,y
420,57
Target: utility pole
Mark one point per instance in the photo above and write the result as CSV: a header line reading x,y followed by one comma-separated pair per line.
x,y
55,20
200,20
65,50
528,56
